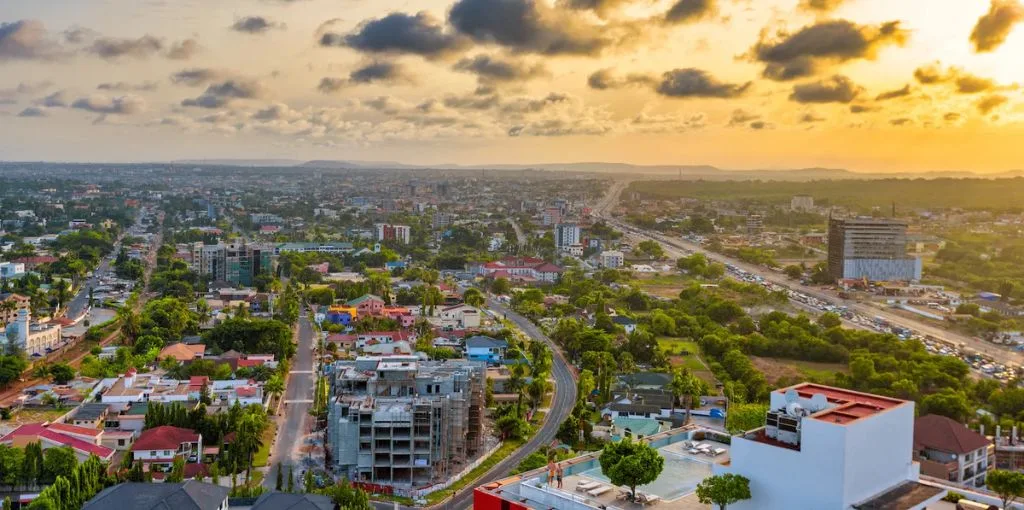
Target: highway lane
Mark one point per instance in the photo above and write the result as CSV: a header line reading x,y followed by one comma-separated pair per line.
x,y
294,425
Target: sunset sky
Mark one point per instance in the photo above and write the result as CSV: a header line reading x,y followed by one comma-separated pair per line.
x,y
868,85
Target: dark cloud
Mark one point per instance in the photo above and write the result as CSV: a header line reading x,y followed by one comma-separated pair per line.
x,y
740,117
26,87
837,89
971,84
964,82
688,11
56,100
820,5
328,85
221,94
27,39
529,26
902,121
992,29
419,34
534,105
33,111
951,117
929,74
893,94
383,104
692,82
558,127
111,48
146,86
125,105
183,50
789,56
809,118
254,25
196,76
863,108
472,102
79,35
758,125
600,7
379,71
991,102
489,68
272,112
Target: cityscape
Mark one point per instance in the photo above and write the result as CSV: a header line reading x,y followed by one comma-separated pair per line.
x,y
511,255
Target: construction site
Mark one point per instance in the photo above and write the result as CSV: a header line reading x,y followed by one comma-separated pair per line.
x,y
402,422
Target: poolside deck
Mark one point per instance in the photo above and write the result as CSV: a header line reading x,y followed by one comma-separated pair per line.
x,y
612,499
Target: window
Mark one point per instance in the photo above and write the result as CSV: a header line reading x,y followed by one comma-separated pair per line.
x,y
167,452
120,442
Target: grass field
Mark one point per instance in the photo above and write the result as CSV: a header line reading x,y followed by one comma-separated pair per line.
x,y
661,285
262,455
775,369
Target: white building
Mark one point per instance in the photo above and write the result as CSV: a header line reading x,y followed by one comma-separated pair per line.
x,y
566,235
400,233
827,448
802,203
32,338
11,270
266,219
612,259
460,316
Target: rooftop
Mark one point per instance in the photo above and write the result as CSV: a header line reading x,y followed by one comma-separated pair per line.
x,y
164,437
187,495
43,431
934,432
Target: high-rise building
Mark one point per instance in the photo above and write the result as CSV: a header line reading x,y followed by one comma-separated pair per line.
x,y
403,422
802,203
386,232
236,262
870,248
566,235
755,225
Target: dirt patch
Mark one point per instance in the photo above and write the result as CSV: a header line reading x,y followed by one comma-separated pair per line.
x,y
774,369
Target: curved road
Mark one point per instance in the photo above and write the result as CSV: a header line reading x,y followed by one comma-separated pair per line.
x,y
561,405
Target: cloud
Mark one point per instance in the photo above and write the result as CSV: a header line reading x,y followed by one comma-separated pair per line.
x,y
740,116
971,84
951,117
496,69
112,48
472,102
837,89
254,25
146,86
929,74
809,118
902,121
26,87
558,127
328,85
535,104
863,108
221,94
600,7
893,94
992,29
197,76
419,34
820,5
55,100
758,125
790,56
27,39
963,82
183,50
693,82
124,105
380,71
689,11
991,102
646,122
33,111
530,26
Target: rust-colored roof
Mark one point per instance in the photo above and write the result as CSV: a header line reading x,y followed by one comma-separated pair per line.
x,y
936,432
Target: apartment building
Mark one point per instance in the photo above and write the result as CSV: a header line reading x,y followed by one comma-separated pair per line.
x,y
948,450
566,235
801,203
11,270
400,233
612,259
236,262
403,422
870,248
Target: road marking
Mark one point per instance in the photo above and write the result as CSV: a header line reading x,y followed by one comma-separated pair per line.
x,y
298,401
301,372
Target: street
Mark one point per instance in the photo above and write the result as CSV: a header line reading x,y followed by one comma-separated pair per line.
x,y
293,426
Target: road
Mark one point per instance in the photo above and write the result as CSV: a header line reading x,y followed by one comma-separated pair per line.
x,y
293,427
520,235
676,247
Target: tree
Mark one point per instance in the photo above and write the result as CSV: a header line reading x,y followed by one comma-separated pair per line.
x,y
500,286
744,417
274,385
829,320
291,479
177,471
723,490
62,373
473,297
279,483
685,385
631,463
307,482
949,403
345,496
58,461
1009,485
793,271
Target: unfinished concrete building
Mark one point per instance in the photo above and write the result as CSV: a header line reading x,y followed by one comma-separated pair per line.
x,y
403,422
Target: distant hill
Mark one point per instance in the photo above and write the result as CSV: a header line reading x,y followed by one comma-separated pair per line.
x,y
239,162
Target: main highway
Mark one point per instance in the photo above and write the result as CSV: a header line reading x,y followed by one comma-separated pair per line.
x,y
678,247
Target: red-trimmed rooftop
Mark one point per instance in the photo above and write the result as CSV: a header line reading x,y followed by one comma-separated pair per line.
x,y
849,405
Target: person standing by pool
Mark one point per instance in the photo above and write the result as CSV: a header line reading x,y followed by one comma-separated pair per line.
x,y
559,473
551,472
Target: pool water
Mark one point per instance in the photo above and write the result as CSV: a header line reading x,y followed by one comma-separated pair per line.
x,y
679,477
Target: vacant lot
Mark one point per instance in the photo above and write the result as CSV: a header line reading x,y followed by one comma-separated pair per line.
x,y
775,369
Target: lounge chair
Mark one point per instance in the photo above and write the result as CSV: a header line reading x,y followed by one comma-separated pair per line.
x,y
718,451
651,499
599,491
586,486
694,451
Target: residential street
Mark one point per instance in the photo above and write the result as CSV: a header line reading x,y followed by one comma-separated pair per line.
x,y
294,422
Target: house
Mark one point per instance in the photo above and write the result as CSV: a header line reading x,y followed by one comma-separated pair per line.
x,y
342,314
183,353
368,304
135,388
948,450
627,324
159,446
485,348
187,495
522,269
84,441
91,415
460,316
383,337
291,501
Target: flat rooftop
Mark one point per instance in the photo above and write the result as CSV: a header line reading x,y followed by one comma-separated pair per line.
x,y
848,405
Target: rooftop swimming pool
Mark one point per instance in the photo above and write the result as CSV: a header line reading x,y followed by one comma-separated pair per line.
x,y
679,477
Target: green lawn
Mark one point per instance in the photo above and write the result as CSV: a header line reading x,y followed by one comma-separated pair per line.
x,y
262,455
672,345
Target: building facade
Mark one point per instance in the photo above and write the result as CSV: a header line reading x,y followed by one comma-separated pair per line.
x,y
870,248
238,262
566,235
612,259
399,233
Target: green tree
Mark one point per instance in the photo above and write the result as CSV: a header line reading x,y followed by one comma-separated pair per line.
x,y
62,373
723,490
630,464
949,403
1009,485
279,483
177,471
793,271
829,320
473,297
291,479
58,461
345,496
500,286
744,417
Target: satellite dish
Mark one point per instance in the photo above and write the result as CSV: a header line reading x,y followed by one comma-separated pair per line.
x,y
819,402
792,396
794,409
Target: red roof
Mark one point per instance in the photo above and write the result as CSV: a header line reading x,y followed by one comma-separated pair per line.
x,y
245,391
934,432
198,381
191,470
164,438
74,429
548,268
40,430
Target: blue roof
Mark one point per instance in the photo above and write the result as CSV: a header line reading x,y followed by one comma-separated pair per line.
x,y
485,342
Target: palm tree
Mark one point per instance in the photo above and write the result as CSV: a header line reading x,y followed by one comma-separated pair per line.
x,y
130,326
274,385
684,384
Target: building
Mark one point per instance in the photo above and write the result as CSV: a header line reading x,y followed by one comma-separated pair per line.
x,y
628,325
612,259
237,262
551,216
367,304
755,225
292,501
183,353
441,220
485,348
566,235
187,495
460,317
83,441
950,451
333,248
520,269
132,388
266,219
802,203
33,338
870,248
157,447
91,415
399,233
20,303
11,270
398,421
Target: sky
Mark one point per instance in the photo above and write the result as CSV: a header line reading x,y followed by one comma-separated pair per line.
x,y
867,85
